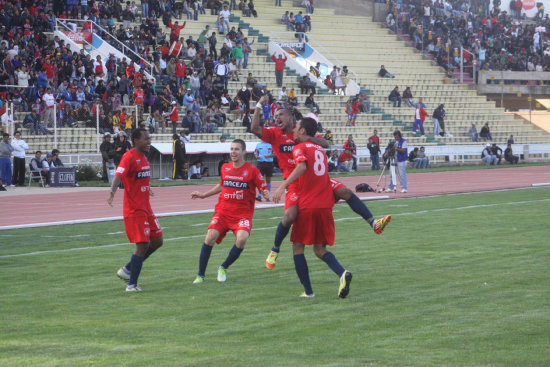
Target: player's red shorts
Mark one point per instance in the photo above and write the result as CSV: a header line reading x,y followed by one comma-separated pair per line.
x,y
336,185
313,227
223,224
142,229
291,197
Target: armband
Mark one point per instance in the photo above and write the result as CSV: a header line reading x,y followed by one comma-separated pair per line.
x,y
259,105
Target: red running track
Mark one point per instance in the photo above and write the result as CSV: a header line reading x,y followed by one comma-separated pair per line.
x,y
90,204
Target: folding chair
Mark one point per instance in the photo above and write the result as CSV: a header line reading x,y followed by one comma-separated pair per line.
x,y
35,175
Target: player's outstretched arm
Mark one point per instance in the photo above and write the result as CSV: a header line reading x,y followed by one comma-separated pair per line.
x,y
255,126
298,171
114,187
203,195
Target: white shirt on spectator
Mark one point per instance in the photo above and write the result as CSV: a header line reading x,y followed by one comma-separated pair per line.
x,y
225,14
49,99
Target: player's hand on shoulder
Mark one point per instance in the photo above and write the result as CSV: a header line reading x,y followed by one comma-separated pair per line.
x,y
196,195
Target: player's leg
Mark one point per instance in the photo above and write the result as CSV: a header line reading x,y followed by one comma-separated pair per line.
x,y
344,275
282,231
358,206
155,243
302,270
136,263
211,237
234,253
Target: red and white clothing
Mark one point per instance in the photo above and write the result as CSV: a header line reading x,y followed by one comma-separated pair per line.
x,y
49,99
139,220
282,144
314,224
420,113
235,207
174,117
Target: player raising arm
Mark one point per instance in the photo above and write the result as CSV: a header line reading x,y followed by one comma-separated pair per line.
x,y
314,224
234,210
282,142
141,224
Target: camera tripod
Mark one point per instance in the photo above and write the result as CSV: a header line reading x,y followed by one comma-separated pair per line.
x,y
393,172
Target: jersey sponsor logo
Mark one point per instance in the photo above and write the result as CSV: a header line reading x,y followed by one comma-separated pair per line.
x,y
236,184
286,148
143,174
237,195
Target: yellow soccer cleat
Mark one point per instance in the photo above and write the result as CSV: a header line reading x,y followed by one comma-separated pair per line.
x,y
271,260
345,281
380,224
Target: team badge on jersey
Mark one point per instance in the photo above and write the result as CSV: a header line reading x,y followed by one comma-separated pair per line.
x,y
245,173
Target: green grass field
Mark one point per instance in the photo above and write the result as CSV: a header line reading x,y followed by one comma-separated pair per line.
x,y
459,280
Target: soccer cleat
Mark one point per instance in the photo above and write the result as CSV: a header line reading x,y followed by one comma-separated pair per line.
x,y
305,295
258,198
404,191
133,288
345,281
123,275
380,224
198,280
271,260
221,274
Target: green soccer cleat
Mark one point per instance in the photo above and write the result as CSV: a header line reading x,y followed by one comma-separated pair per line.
x,y
380,224
345,281
271,260
198,280
222,274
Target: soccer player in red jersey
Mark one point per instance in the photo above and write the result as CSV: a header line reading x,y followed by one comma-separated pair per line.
x,y
141,224
282,142
234,210
314,224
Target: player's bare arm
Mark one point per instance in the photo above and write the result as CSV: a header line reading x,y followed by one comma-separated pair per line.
x,y
203,195
319,141
114,187
297,172
255,126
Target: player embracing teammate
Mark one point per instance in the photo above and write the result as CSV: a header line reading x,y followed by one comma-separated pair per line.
x,y
282,142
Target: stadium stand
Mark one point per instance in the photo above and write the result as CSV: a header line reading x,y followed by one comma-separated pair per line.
x,y
357,42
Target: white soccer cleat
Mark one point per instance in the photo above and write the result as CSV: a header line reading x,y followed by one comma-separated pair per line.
x,y
404,191
305,295
123,274
133,288
221,274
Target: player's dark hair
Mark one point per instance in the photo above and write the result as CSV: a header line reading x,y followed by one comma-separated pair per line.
x,y
240,141
398,133
136,134
310,125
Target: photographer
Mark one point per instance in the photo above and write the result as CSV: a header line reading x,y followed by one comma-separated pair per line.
x,y
400,147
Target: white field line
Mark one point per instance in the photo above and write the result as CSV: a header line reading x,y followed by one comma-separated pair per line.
x,y
170,214
274,227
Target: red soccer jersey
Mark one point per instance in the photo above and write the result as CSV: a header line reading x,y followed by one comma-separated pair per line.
x,y
136,176
314,186
282,144
239,190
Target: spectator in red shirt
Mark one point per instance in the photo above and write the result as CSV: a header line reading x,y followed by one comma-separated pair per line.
x,y
344,160
175,30
279,68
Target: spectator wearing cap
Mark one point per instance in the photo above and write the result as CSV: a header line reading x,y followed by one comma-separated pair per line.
x,y
487,156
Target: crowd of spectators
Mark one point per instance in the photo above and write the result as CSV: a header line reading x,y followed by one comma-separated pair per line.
x,y
500,39
45,79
